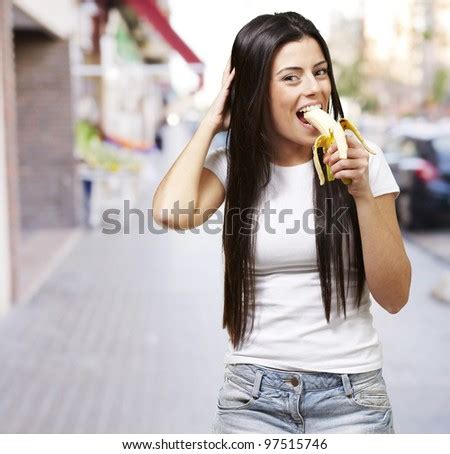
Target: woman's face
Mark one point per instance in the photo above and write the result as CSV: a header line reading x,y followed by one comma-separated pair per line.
x,y
293,88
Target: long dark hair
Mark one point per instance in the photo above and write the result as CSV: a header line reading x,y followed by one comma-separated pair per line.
x,y
249,157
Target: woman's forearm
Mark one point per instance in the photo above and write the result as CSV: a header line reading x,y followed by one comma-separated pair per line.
x,y
178,190
388,269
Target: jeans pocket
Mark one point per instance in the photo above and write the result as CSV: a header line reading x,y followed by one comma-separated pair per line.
x,y
234,396
373,394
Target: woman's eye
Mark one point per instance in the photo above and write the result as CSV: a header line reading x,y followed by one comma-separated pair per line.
x,y
323,70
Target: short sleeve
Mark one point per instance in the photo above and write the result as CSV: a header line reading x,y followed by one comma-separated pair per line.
x,y
381,179
216,161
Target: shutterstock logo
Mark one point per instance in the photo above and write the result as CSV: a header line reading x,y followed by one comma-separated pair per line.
x,y
248,220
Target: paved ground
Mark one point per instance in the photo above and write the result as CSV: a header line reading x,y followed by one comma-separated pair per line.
x,y
415,344
435,243
125,336
40,251
119,339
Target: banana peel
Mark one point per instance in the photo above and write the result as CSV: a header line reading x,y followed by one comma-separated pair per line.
x,y
331,132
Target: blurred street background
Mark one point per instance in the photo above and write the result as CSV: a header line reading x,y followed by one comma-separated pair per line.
x,y
104,332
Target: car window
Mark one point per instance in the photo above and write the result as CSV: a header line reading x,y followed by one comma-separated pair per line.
x,y
408,148
392,146
442,147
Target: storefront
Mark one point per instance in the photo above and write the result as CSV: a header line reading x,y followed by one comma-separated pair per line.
x,y
37,194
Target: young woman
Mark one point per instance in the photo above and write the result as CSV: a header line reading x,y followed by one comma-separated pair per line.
x,y
301,259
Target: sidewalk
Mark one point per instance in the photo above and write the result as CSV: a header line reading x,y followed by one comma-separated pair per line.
x,y
117,339
437,244
40,252
125,337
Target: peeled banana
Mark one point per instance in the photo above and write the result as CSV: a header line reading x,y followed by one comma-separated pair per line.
x,y
331,131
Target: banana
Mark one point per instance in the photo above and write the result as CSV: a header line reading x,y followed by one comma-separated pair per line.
x,y
331,131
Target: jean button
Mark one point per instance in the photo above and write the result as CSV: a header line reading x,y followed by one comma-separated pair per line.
x,y
294,381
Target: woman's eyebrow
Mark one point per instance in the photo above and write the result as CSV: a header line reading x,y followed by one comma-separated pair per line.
x,y
298,67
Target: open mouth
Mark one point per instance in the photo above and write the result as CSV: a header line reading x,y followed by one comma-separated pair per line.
x,y
301,117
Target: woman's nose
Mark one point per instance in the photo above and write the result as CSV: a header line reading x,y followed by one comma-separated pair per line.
x,y
311,85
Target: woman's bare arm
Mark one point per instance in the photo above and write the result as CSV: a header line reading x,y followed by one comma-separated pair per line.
x,y
189,193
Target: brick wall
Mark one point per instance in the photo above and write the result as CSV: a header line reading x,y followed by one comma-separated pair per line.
x,y
47,185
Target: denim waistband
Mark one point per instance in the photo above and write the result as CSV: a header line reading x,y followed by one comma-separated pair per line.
x,y
262,376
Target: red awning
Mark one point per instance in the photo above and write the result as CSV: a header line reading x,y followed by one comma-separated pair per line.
x,y
149,10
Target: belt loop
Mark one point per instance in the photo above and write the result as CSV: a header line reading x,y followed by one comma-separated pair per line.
x,y
347,385
257,384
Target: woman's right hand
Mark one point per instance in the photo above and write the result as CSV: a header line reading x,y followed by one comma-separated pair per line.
x,y
218,114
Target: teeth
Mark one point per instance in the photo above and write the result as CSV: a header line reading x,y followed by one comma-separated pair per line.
x,y
309,108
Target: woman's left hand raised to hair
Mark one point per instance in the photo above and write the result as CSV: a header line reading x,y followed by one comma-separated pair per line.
x,y
355,167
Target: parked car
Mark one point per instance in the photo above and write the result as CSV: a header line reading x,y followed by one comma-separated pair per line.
x,y
419,158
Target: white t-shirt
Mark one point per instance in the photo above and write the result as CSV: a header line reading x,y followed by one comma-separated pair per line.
x,y
290,330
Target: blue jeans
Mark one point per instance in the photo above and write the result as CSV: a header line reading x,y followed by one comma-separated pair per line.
x,y
260,400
